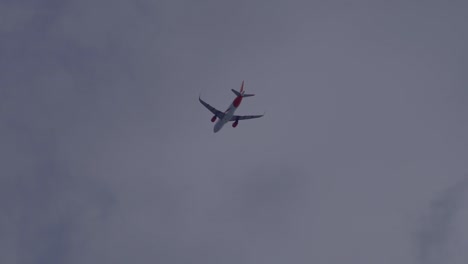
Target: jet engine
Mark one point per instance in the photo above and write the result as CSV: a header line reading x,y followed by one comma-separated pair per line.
x,y
213,119
235,123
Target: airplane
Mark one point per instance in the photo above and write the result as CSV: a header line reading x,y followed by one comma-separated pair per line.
x,y
228,115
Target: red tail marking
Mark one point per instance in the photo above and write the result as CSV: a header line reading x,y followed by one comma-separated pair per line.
x,y
237,101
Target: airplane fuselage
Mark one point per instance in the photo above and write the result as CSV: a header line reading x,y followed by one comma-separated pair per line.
x,y
228,114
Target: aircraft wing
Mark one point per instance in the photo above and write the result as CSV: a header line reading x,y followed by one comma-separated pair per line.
x,y
213,110
236,117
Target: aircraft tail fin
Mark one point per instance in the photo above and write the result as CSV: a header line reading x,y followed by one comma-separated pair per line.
x,y
241,91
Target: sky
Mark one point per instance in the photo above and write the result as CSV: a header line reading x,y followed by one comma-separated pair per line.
x,y
108,157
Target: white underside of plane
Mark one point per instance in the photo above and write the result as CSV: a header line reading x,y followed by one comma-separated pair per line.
x,y
226,118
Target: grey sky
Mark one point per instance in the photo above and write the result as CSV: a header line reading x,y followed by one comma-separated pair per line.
x,y
108,157
438,231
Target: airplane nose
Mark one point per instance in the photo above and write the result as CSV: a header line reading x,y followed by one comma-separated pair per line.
x,y
217,127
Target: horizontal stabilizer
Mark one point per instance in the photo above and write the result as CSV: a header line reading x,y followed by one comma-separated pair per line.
x,y
243,95
236,92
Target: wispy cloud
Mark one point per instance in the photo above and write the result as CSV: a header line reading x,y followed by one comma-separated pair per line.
x,y
438,223
107,155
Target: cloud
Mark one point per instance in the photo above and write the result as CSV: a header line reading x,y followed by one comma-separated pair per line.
x,y
43,204
16,17
437,226
107,156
